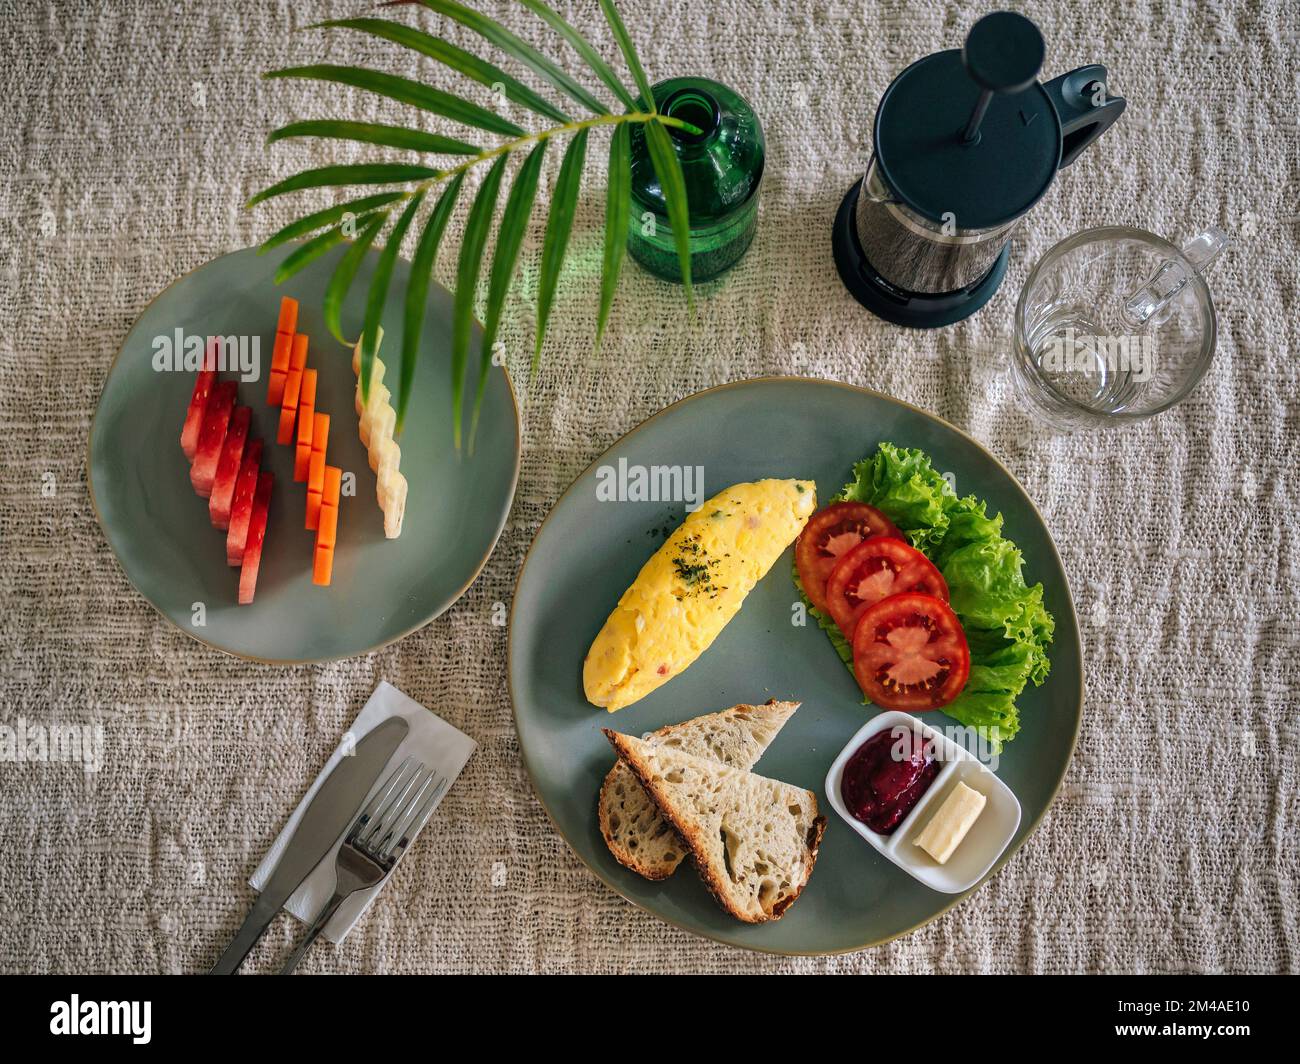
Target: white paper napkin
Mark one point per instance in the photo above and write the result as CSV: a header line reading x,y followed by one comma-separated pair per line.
x,y
430,739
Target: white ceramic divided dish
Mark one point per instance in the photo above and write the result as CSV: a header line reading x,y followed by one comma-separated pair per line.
x,y
983,844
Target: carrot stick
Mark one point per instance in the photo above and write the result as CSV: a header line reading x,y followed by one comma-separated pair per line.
x,y
333,486
316,469
326,534
288,316
279,368
289,409
322,566
292,390
280,352
320,435
306,422
284,434
316,474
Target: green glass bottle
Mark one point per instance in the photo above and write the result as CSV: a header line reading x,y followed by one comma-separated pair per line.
x,y
723,168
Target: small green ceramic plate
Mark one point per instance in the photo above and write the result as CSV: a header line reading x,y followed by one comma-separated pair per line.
x,y
382,589
588,552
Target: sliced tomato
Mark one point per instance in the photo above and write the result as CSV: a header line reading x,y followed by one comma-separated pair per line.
x,y
909,652
831,533
875,569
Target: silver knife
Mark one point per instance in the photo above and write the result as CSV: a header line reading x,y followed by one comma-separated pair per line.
x,y
326,818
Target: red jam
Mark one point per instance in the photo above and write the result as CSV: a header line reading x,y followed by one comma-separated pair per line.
x,y
886,776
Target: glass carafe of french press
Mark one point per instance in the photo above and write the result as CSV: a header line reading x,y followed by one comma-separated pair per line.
x,y
966,141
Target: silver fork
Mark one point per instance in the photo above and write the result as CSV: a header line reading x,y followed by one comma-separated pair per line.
x,y
390,820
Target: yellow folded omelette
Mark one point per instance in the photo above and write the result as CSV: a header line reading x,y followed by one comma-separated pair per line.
x,y
692,586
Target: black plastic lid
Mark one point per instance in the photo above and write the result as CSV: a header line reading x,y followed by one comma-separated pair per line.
x,y
1006,168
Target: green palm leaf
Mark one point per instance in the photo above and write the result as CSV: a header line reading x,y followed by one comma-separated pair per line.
x,y
458,59
328,216
618,209
375,133
346,271
510,238
322,232
668,169
492,31
580,45
346,174
404,90
559,225
628,49
307,254
379,292
417,290
468,265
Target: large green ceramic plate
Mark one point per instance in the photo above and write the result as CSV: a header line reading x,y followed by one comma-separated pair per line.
x,y
382,589
588,552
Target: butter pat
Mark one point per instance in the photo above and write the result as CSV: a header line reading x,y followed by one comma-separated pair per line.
x,y
943,834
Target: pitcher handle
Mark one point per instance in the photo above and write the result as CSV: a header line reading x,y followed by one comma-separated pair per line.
x,y
1084,107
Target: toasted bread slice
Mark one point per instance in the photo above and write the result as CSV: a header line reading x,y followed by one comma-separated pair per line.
x,y
754,840
635,833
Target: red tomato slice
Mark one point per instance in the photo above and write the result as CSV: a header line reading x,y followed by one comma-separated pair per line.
x,y
830,533
909,652
875,569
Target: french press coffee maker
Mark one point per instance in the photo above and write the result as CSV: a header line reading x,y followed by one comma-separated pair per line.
x,y
966,141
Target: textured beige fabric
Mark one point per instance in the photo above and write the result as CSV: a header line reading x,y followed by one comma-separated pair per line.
x,y
132,135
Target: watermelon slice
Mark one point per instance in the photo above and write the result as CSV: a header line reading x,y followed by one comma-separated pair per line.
x,y
256,537
232,457
211,437
198,407
241,503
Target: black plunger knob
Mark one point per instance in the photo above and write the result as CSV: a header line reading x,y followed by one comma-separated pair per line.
x,y
1003,53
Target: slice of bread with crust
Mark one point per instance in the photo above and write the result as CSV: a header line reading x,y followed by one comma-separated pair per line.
x,y
754,840
635,833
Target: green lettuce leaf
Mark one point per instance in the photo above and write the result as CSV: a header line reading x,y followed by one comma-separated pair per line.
x,y
967,524
904,486
1007,626
827,625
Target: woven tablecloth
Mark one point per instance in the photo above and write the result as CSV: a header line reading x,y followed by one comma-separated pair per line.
x,y
131,137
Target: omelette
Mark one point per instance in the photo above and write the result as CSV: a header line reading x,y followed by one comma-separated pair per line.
x,y
692,586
